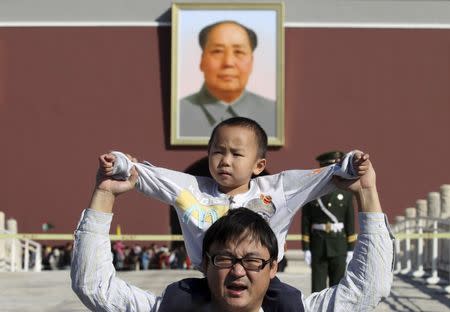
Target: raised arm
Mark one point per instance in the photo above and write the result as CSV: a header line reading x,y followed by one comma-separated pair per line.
x,y
369,274
92,272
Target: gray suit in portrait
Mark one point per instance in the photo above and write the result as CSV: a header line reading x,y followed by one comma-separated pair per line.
x,y
201,112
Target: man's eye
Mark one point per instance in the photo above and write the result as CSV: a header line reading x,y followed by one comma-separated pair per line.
x,y
252,261
223,259
238,155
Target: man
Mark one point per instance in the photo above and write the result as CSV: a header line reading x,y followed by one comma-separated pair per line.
x,y
226,63
239,260
328,232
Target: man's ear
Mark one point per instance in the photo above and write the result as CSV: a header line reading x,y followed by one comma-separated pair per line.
x,y
259,166
201,65
273,268
204,266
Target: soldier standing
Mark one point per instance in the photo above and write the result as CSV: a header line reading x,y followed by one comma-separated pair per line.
x,y
328,232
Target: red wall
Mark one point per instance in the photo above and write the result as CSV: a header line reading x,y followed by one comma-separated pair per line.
x,y
70,94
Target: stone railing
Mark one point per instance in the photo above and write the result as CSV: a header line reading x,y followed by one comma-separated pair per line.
x,y
17,254
422,243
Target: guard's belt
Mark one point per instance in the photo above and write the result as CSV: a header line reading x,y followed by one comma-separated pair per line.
x,y
328,227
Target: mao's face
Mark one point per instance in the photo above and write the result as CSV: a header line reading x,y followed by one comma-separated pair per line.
x,y
227,61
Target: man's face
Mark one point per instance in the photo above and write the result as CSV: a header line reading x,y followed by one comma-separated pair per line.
x,y
227,61
235,288
233,158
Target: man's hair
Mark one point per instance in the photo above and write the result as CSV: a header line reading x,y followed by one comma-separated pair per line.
x,y
237,225
204,33
260,134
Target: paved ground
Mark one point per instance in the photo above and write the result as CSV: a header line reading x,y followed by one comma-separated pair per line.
x,y
50,291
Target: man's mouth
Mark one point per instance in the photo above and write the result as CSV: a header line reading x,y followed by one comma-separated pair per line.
x,y
227,77
236,290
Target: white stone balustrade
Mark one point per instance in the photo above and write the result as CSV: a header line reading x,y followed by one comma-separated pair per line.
x,y
429,254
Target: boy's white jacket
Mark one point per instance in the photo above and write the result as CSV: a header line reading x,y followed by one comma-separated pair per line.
x,y
199,202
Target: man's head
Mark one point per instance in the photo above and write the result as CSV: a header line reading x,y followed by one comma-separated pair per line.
x,y
329,158
227,58
239,285
236,151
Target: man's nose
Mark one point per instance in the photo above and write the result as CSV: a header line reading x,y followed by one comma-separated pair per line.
x,y
228,58
238,269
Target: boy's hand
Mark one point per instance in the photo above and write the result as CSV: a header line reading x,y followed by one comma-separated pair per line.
x,y
106,183
106,163
364,170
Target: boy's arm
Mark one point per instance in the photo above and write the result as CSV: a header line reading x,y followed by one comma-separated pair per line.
x,y
92,272
303,186
159,183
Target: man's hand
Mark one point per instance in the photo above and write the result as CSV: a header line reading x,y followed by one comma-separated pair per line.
x,y
364,188
106,188
363,168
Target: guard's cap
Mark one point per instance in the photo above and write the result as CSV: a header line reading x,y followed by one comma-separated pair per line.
x,y
329,158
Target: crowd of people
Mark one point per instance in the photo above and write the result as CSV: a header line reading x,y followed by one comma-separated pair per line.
x,y
125,257
149,257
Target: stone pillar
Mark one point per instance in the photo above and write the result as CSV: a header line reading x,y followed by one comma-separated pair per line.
x,y
434,211
2,243
410,214
421,212
445,214
15,249
445,201
398,228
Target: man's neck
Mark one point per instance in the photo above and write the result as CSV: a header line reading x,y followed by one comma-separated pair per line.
x,y
228,97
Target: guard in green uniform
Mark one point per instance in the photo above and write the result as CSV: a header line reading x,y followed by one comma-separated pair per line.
x,y
328,232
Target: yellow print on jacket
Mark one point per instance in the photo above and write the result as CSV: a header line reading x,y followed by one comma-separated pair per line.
x,y
194,210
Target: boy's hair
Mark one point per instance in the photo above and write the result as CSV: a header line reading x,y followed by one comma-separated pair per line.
x,y
261,136
237,225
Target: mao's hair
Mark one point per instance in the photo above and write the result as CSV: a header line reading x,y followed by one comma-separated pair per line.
x,y
240,224
204,33
260,134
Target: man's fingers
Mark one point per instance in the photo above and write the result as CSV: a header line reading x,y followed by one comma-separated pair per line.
x,y
132,158
134,176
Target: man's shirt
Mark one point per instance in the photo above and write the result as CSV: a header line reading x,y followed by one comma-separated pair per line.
x,y
201,112
94,280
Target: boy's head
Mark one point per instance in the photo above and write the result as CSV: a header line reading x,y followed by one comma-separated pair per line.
x,y
240,254
236,152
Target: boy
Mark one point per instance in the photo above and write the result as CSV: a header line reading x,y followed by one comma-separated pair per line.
x,y
236,152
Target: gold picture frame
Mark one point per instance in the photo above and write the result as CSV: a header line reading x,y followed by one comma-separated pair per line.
x,y
247,83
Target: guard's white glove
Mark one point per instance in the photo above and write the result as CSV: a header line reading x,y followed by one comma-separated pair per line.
x,y
308,257
349,257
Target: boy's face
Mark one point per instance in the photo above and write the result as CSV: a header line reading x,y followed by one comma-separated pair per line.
x,y
233,159
236,288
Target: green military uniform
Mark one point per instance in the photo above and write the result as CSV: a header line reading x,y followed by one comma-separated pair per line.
x,y
328,240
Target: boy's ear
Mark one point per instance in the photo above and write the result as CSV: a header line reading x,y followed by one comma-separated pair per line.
x,y
259,166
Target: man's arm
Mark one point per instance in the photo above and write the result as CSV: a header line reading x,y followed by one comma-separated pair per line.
x,y
369,274
92,272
